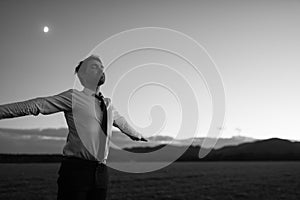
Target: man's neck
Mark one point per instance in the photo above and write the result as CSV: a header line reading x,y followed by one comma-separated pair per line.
x,y
90,91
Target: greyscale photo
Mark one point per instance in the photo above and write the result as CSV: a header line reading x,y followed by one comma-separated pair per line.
x,y
162,100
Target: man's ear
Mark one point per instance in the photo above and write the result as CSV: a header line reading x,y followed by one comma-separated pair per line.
x,y
81,77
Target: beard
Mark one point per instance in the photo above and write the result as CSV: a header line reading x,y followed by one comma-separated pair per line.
x,y
101,80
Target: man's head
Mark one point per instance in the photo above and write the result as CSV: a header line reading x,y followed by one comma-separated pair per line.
x,y
90,72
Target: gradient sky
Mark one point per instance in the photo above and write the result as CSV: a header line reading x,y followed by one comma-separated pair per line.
x,y
255,45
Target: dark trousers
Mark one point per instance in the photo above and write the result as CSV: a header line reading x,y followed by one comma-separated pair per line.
x,y
81,179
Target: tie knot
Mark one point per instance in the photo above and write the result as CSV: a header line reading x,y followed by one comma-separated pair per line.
x,y
99,96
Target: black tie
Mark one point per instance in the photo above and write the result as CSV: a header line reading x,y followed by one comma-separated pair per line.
x,y
100,97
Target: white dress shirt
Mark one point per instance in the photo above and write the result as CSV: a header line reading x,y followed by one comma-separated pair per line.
x,y
83,115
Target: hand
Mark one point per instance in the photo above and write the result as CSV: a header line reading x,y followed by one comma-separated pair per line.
x,y
134,138
143,139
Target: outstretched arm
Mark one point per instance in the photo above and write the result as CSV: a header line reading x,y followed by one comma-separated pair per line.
x,y
43,105
121,123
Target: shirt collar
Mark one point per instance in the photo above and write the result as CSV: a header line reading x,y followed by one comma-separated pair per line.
x,y
88,92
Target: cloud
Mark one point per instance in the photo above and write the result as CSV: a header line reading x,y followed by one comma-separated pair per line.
x,y
32,140
50,132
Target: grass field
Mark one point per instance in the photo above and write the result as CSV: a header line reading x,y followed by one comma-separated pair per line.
x,y
186,180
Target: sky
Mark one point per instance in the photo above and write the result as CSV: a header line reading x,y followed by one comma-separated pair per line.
x,y
254,44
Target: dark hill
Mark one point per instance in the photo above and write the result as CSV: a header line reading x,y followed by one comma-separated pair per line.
x,y
270,149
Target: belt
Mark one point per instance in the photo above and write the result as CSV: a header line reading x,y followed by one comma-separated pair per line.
x,y
76,162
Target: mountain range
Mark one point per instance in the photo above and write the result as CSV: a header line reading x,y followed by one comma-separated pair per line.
x,y
14,147
273,149
37,141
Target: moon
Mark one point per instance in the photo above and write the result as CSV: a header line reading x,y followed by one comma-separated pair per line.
x,y
46,29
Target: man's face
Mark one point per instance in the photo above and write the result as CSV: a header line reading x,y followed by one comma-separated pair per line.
x,y
94,72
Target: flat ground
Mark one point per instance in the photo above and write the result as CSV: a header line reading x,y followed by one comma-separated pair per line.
x,y
185,180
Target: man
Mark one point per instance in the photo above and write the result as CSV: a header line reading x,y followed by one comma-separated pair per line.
x,y
83,173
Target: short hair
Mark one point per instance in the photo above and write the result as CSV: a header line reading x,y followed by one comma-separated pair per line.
x,y
78,67
95,57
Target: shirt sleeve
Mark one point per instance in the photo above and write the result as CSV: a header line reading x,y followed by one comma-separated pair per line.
x,y
44,105
121,123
